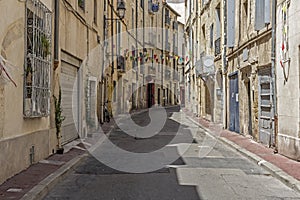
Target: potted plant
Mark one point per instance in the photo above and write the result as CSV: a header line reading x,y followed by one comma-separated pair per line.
x,y
58,121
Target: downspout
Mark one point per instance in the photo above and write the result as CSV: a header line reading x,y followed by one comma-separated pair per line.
x,y
136,55
56,63
162,54
274,86
56,35
145,88
224,93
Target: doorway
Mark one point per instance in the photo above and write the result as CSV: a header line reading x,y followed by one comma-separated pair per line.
x,y
234,124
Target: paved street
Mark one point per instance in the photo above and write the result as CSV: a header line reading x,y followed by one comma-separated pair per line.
x,y
199,168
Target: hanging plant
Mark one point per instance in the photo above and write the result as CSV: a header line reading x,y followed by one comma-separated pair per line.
x,y
58,119
45,46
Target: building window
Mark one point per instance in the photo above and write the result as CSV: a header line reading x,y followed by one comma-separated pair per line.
x,y
37,61
81,4
142,4
95,11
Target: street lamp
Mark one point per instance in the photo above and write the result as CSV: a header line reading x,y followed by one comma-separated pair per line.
x,y
121,9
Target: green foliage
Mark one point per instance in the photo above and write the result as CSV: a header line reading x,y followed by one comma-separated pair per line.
x,y
58,113
45,45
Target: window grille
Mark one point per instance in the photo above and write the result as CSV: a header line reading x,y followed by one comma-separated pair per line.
x,y
37,61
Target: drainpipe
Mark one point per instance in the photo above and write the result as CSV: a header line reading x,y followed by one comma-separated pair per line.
x,y
137,55
162,53
56,35
274,86
224,96
56,59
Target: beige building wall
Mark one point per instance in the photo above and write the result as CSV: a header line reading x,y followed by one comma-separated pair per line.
x,y
18,134
251,53
287,78
35,138
211,87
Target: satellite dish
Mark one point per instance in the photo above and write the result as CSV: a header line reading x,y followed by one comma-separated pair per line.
x,y
208,61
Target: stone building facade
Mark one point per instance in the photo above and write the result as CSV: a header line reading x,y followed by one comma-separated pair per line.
x,y
248,72
287,77
47,46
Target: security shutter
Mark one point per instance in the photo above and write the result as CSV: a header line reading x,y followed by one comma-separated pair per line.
x,y
230,23
69,89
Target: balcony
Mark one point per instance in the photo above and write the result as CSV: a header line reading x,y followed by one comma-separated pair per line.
x,y
121,64
217,46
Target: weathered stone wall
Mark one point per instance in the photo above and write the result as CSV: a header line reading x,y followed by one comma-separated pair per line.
x,y
288,82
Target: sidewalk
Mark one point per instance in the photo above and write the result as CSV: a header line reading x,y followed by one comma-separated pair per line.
x,y
283,168
39,178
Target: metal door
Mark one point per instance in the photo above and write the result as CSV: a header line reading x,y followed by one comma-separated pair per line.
x,y
234,103
266,118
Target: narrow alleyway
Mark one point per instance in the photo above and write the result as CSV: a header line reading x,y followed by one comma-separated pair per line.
x,y
221,174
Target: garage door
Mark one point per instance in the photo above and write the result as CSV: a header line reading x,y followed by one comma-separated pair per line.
x,y
69,89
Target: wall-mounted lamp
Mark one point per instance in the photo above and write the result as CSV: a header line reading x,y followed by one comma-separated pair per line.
x,y
121,8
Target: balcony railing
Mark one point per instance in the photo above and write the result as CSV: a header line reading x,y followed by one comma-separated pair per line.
x,y
217,46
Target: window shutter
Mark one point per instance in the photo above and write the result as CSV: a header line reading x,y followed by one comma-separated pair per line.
x,y
267,12
211,35
259,14
218,24
230,23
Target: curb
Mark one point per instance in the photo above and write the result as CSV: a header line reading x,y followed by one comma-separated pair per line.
x,y
41,189
274,170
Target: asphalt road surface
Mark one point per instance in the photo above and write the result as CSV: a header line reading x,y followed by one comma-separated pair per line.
x,y
175,161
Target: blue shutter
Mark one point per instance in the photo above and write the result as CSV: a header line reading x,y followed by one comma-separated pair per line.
x,y
267,12
230,23
259,14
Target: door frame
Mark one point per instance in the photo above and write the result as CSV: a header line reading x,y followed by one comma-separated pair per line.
x,y
234,116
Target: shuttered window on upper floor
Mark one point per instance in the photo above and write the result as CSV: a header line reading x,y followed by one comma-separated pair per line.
x,y
262,14
218,22
230,23
211,35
